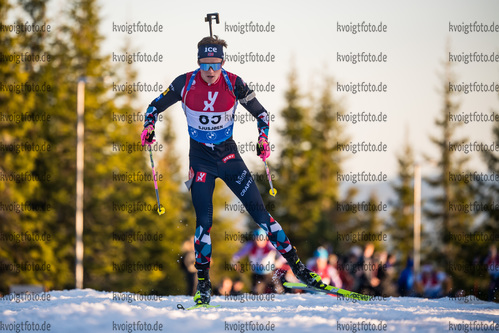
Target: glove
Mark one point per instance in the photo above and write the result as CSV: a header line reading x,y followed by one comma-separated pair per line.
x,y
263,148
147,136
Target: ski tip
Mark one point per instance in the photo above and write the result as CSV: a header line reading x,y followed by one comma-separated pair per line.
x,y
293,284
341,293
197,306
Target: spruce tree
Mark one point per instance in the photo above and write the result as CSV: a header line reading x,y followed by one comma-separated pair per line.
x,y
326,163
401,226
113,151
488,230
448,224
489,190
25,174
297,208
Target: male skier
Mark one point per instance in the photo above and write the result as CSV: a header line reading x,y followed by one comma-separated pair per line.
x,y
209,98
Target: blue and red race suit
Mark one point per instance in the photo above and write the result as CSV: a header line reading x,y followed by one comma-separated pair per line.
x,y
210,110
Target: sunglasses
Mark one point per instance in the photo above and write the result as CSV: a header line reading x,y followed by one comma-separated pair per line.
x,y
206,67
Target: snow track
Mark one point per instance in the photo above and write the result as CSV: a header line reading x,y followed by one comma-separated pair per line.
x,y
95,311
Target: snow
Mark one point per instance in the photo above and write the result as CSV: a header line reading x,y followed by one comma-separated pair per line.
x,y
89,310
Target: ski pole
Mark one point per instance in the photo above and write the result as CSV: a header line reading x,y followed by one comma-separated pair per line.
x,y
161,210
272,190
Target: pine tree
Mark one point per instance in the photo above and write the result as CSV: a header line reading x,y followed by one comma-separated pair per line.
x,y
307,167
326,163
298,207
374,224
489,190
401,228
25,191
105,196
75,53
448,161
9,190
488,230
447,222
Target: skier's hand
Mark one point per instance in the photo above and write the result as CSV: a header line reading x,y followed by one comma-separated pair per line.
x,y
263,148
147,136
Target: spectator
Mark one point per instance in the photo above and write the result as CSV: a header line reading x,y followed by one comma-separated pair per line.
x,y
188,260
321,266
431,281
237,287
263,259
406,279
345,271
351,268
225,288
385,273
492,262
365,271
333,262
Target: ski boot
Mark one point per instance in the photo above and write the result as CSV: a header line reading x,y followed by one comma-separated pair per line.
x,y
203,290
302,272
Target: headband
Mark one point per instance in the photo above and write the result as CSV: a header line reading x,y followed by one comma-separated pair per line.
x,y
210,51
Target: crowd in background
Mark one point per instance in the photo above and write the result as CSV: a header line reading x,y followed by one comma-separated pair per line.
x,y
362,270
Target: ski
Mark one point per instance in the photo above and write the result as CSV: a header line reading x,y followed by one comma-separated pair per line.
x,y
197,306
328,290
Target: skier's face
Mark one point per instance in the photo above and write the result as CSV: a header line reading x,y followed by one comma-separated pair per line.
x,y
261,242
321,263
210,76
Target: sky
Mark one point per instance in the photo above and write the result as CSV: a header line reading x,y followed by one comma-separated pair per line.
x,y
305,41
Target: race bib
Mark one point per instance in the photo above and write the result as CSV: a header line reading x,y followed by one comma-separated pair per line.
x,y
210,127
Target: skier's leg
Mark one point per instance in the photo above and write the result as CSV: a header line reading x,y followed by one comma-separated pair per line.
x,y
202,188
237,176
202,194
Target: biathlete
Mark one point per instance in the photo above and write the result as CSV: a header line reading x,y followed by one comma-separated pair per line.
x,y
209,97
